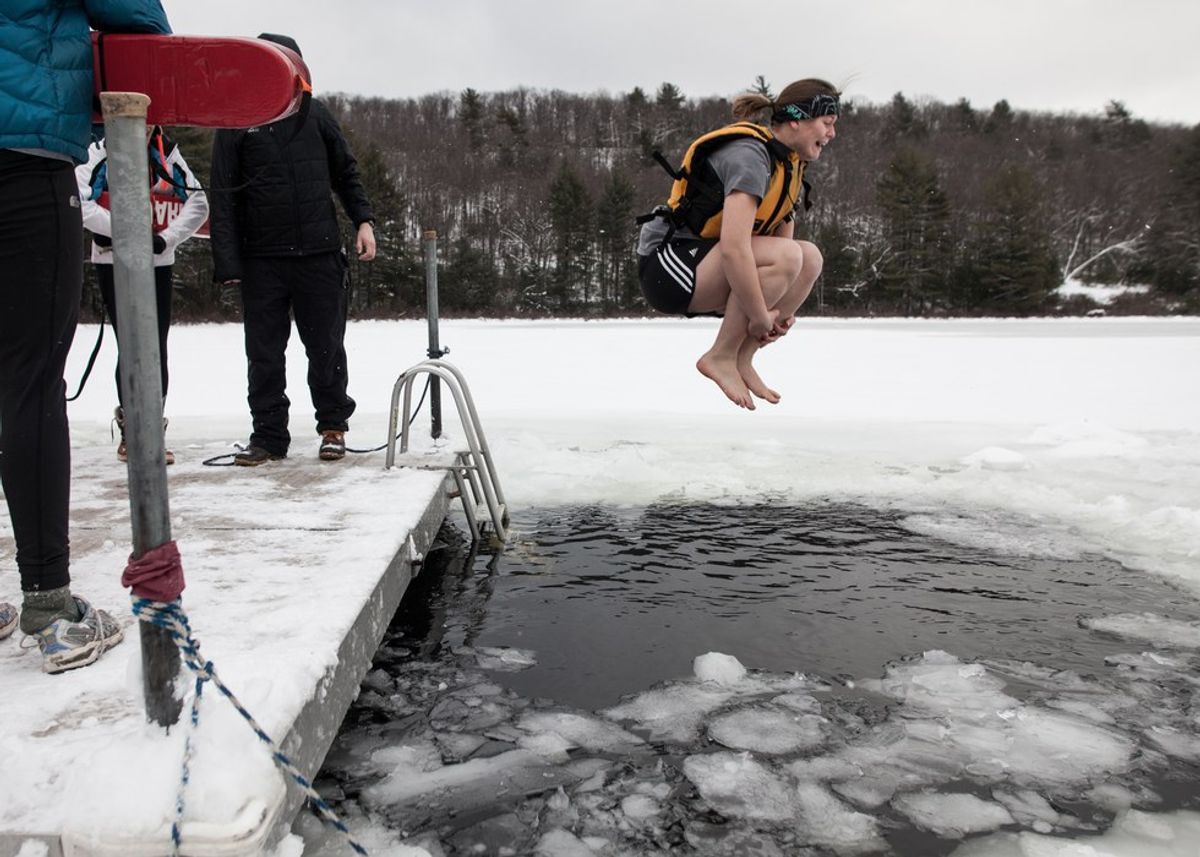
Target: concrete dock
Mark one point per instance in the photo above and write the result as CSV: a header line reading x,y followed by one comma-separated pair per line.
x,y
293,569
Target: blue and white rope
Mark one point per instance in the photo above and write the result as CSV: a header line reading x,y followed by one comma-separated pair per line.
x,y
172,618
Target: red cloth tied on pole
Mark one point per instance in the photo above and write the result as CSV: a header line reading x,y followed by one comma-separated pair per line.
x,y
156,575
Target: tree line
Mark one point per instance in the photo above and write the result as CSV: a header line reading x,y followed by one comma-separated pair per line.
x,y
920,207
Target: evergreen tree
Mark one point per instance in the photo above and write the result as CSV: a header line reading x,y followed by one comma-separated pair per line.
x,y
965,116
468,281
571,221
669,97
1012,268
616,233
761,87
1000,119
916,215
471,113
903,121
1171,259
515,145
393,282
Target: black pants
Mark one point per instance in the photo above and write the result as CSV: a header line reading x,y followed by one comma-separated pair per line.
x,y
41,257
162,293
313,288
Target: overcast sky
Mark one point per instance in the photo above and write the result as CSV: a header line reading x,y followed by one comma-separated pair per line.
x,y
1056,55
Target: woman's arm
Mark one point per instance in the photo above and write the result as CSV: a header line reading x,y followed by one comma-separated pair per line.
x,y
195,209
737,260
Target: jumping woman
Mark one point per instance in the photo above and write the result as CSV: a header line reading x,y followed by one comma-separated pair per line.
x,y
723,245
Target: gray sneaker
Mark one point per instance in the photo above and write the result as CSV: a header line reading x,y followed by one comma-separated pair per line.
x,y
67,645
8,619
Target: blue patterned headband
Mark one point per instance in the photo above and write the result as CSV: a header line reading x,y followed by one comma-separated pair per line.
x,y
807,108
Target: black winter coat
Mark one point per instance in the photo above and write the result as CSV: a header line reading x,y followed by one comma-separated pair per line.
x,y
271,190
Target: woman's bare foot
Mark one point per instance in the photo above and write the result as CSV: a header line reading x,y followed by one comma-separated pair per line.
x,y
756,386
750,377
724,373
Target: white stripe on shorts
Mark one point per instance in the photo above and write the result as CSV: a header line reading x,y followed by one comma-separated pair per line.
x,y
677,268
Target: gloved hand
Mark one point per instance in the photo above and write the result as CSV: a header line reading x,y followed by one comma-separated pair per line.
x,y
160,243
101,240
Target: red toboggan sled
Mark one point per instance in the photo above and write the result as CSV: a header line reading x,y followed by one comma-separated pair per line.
x,y
204,81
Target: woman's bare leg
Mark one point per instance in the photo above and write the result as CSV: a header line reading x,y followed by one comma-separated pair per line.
x,y
777,261
797,292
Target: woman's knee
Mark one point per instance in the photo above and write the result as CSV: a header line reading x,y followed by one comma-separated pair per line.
x,y
813,261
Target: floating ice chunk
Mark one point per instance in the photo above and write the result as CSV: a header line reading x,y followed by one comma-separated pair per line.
x,y
639,807
823,769
720,669
1029,808
1133,834
917,754
672,713
1082,708
827,821
586,732
420,756
736,785
1175,743
562,843
1053,747
478,782
940,683
549,744
996,458
951,816
458,745
1112,796
1148,627
505,660
726,840
767,730
798,701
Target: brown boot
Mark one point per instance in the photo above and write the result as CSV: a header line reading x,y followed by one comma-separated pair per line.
x,y
333,445
123,450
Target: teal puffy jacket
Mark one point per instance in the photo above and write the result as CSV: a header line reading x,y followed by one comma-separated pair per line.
x,y
46,67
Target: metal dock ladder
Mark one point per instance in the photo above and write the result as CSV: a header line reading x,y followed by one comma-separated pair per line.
x,y
473,470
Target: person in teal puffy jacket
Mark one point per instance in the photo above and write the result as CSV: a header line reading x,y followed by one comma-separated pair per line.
x,y
45,128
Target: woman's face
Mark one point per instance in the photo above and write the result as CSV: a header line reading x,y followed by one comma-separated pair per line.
x,y
809,137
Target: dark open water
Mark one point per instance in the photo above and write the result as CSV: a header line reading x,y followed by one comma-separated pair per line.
x,y
612,602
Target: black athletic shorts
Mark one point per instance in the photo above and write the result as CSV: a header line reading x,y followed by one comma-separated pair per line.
x,y
668,275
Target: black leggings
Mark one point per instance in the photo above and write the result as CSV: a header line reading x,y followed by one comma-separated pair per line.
x,y
41,255
162,291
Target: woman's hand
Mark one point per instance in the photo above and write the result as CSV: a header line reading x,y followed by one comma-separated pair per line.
x,y
783,325
764,329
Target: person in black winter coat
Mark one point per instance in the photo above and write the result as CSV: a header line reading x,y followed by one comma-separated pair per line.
x,y
275,234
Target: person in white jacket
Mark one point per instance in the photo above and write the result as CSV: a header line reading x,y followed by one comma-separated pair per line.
x,y
178,209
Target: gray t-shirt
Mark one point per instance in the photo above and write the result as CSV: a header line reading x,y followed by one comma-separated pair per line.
x,y
741,165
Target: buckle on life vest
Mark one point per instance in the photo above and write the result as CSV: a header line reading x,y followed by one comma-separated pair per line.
x,y
658,211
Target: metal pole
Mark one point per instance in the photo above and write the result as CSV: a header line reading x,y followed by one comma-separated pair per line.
x,y
429,246
141,384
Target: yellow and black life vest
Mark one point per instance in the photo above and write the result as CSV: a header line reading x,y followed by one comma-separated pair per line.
x,y
697,197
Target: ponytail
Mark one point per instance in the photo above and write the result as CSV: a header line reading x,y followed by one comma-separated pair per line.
x,y
747,105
